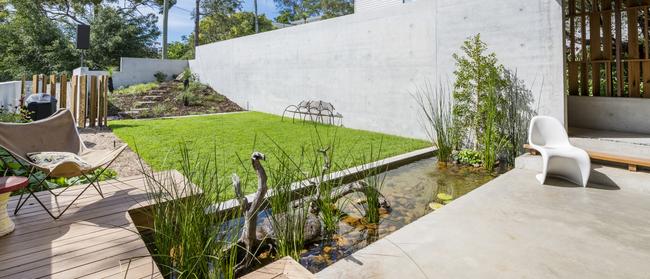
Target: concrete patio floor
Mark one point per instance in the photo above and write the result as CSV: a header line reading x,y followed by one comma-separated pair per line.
x,y
512,227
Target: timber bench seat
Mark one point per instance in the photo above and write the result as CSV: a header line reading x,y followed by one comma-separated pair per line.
x,y
632,162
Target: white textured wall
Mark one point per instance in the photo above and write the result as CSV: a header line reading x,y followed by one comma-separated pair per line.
x,y
368,64
10,94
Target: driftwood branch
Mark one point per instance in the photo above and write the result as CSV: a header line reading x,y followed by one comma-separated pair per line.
x,y
248,237
358,187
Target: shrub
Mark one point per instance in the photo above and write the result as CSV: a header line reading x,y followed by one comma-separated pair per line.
x,y
160,76
189,98
161,109
137,88
469,157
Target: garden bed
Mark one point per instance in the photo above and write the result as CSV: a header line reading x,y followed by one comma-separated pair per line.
x,y
168,98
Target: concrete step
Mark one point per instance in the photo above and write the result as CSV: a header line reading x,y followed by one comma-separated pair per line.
x,y
607,175
152,97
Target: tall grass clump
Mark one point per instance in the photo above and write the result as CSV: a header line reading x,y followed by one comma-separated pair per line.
x,y
287,218
436,107
372,184
188,242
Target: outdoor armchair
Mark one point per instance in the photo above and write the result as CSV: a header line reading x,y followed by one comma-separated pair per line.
x,y
559,157
57,133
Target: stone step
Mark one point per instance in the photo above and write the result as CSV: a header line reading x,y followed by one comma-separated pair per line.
x,y
156,91
151,97
144,104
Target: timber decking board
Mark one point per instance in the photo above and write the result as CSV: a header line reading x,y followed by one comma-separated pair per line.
x,y
95,238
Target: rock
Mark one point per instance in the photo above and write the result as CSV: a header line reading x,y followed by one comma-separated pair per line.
x,y
327,249
444,197
435,205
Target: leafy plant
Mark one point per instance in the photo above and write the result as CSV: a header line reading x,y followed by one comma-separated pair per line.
x,y
15,115
110,70
469,157
492,140
475,74
160,76
161,109
188,98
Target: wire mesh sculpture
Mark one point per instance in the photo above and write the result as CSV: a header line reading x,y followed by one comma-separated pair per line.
x,y
317,111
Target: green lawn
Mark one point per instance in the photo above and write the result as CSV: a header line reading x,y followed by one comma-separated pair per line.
x,y
159,141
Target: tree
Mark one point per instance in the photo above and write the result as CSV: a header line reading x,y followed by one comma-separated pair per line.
x,y
31,43
181,49
336,8
219,28
291,10
165,5
477,74
122,34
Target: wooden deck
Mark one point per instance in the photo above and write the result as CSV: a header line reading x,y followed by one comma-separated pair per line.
x,y
95,238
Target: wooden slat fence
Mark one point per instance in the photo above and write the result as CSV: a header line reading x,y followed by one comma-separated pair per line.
x,y
86,96
608,48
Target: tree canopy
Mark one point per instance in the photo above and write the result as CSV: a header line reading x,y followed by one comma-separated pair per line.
x,y
39,36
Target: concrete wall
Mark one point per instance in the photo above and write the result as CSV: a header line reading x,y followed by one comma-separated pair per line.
x,y
368,64
609,113
10,94
140,70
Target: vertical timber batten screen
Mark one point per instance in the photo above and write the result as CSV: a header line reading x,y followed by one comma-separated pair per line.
x,y
607,47
87,97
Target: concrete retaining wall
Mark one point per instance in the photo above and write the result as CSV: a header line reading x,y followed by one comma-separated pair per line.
x,y
10,94
368,64
140,70
609,113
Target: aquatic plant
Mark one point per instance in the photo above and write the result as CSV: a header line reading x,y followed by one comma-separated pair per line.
x,y
436,107
287,221
188,242
493,141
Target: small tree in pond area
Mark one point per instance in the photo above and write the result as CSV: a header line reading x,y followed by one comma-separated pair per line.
x,y
477,73
491,106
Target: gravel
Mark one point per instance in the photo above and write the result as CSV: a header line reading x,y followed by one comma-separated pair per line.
x,y
127,164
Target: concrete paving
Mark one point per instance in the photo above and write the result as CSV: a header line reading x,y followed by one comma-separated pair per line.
x,y
512,227
610,136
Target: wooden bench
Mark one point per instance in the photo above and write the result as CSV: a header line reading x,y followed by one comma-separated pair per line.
x,y
631,162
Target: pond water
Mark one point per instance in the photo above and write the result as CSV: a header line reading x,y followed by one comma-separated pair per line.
x,y
412,190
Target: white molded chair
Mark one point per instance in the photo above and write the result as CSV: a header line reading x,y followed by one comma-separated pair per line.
x,y
560,158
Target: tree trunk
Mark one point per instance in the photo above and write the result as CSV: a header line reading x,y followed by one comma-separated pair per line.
x,y
164,35
197,17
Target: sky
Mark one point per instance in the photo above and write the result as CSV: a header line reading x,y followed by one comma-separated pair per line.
x,y
180,16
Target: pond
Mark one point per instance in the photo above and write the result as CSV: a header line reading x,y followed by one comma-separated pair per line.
x,y
411,190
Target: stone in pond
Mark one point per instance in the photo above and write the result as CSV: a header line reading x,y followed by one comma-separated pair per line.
x,y
444,197
435,205
327,249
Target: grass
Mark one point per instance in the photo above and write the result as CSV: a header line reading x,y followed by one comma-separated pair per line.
x,y
235,136
137,88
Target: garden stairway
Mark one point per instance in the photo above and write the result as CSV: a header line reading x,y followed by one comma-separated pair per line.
x,y
150,99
